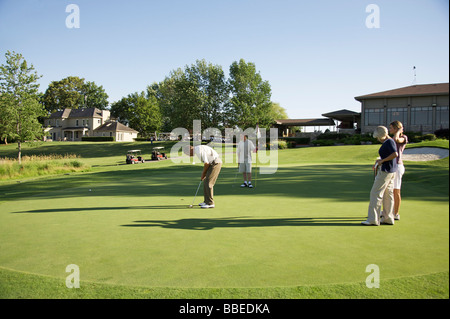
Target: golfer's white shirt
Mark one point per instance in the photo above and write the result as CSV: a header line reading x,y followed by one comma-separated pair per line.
x,y
206,154
244,151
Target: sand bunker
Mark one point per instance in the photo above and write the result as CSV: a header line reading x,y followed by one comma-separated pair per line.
x,y
424,154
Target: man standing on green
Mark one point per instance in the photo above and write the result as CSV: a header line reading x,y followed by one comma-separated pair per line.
x,y
212,164
244,152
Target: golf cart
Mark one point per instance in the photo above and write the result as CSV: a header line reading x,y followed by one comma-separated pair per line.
x,y
134,157
157,154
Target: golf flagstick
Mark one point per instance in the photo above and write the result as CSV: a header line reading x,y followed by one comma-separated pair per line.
x,y
256,168
258,135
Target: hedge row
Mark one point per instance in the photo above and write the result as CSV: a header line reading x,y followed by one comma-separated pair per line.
x,y
98,138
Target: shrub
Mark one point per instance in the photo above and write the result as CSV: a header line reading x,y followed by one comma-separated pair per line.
x,y
429,137
282,144
442,133
98,138
414,137
291,144
333,136
76,164
323,142
298,140
368,138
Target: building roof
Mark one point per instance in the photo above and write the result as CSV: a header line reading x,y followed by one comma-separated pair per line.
x,y
60,114
413,90
91,112
306,122
114,127
342,112
343,115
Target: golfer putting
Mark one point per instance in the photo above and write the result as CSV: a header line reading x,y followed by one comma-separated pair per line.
x,y
212,164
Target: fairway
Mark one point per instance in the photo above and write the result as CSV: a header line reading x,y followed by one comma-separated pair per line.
x,y
130,225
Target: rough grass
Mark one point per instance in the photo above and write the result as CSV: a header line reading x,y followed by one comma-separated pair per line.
x,y
40,165
20,285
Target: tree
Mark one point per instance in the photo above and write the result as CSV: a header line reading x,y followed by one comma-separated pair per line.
x,y
140,111
165,94
212,91
250,102
4,123
199,92
95,96
19,104
73,92
279,112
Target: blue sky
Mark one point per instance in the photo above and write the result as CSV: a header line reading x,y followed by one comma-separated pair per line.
x,y
317,55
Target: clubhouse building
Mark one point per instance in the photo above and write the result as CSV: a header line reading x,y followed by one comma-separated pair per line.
x,y
420,108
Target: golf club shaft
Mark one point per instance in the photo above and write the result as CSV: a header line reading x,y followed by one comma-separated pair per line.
x,y
196,193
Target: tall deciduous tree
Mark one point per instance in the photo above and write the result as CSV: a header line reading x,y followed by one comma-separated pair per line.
x,y
211,86
199,92
19,106
279,112
94,96
140,111
250,102
73,92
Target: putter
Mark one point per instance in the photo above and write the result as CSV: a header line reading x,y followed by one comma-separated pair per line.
x,y
375,171
190,206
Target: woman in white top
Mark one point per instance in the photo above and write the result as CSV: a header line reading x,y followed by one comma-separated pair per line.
x,y
396,129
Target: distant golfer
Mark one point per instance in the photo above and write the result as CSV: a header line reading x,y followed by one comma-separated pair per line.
x,y
244,155
212,165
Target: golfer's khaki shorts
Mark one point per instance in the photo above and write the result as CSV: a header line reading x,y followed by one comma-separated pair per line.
x,y
245,167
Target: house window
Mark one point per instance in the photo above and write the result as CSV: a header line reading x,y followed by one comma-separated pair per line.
x,y
442,116
421,115
57,123
373,117
77,123
398,114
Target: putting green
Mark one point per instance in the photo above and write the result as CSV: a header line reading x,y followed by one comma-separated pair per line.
x,y
301,226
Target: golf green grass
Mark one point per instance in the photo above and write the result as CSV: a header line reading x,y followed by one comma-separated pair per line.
x,y
130,226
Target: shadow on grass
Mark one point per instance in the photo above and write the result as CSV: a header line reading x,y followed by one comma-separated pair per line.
x,y
236,222
106,208
342,183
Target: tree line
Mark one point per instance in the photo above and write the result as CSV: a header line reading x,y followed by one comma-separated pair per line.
x,y
199,91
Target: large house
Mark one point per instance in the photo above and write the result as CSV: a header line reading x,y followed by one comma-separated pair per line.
x,y
73,124
421,108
